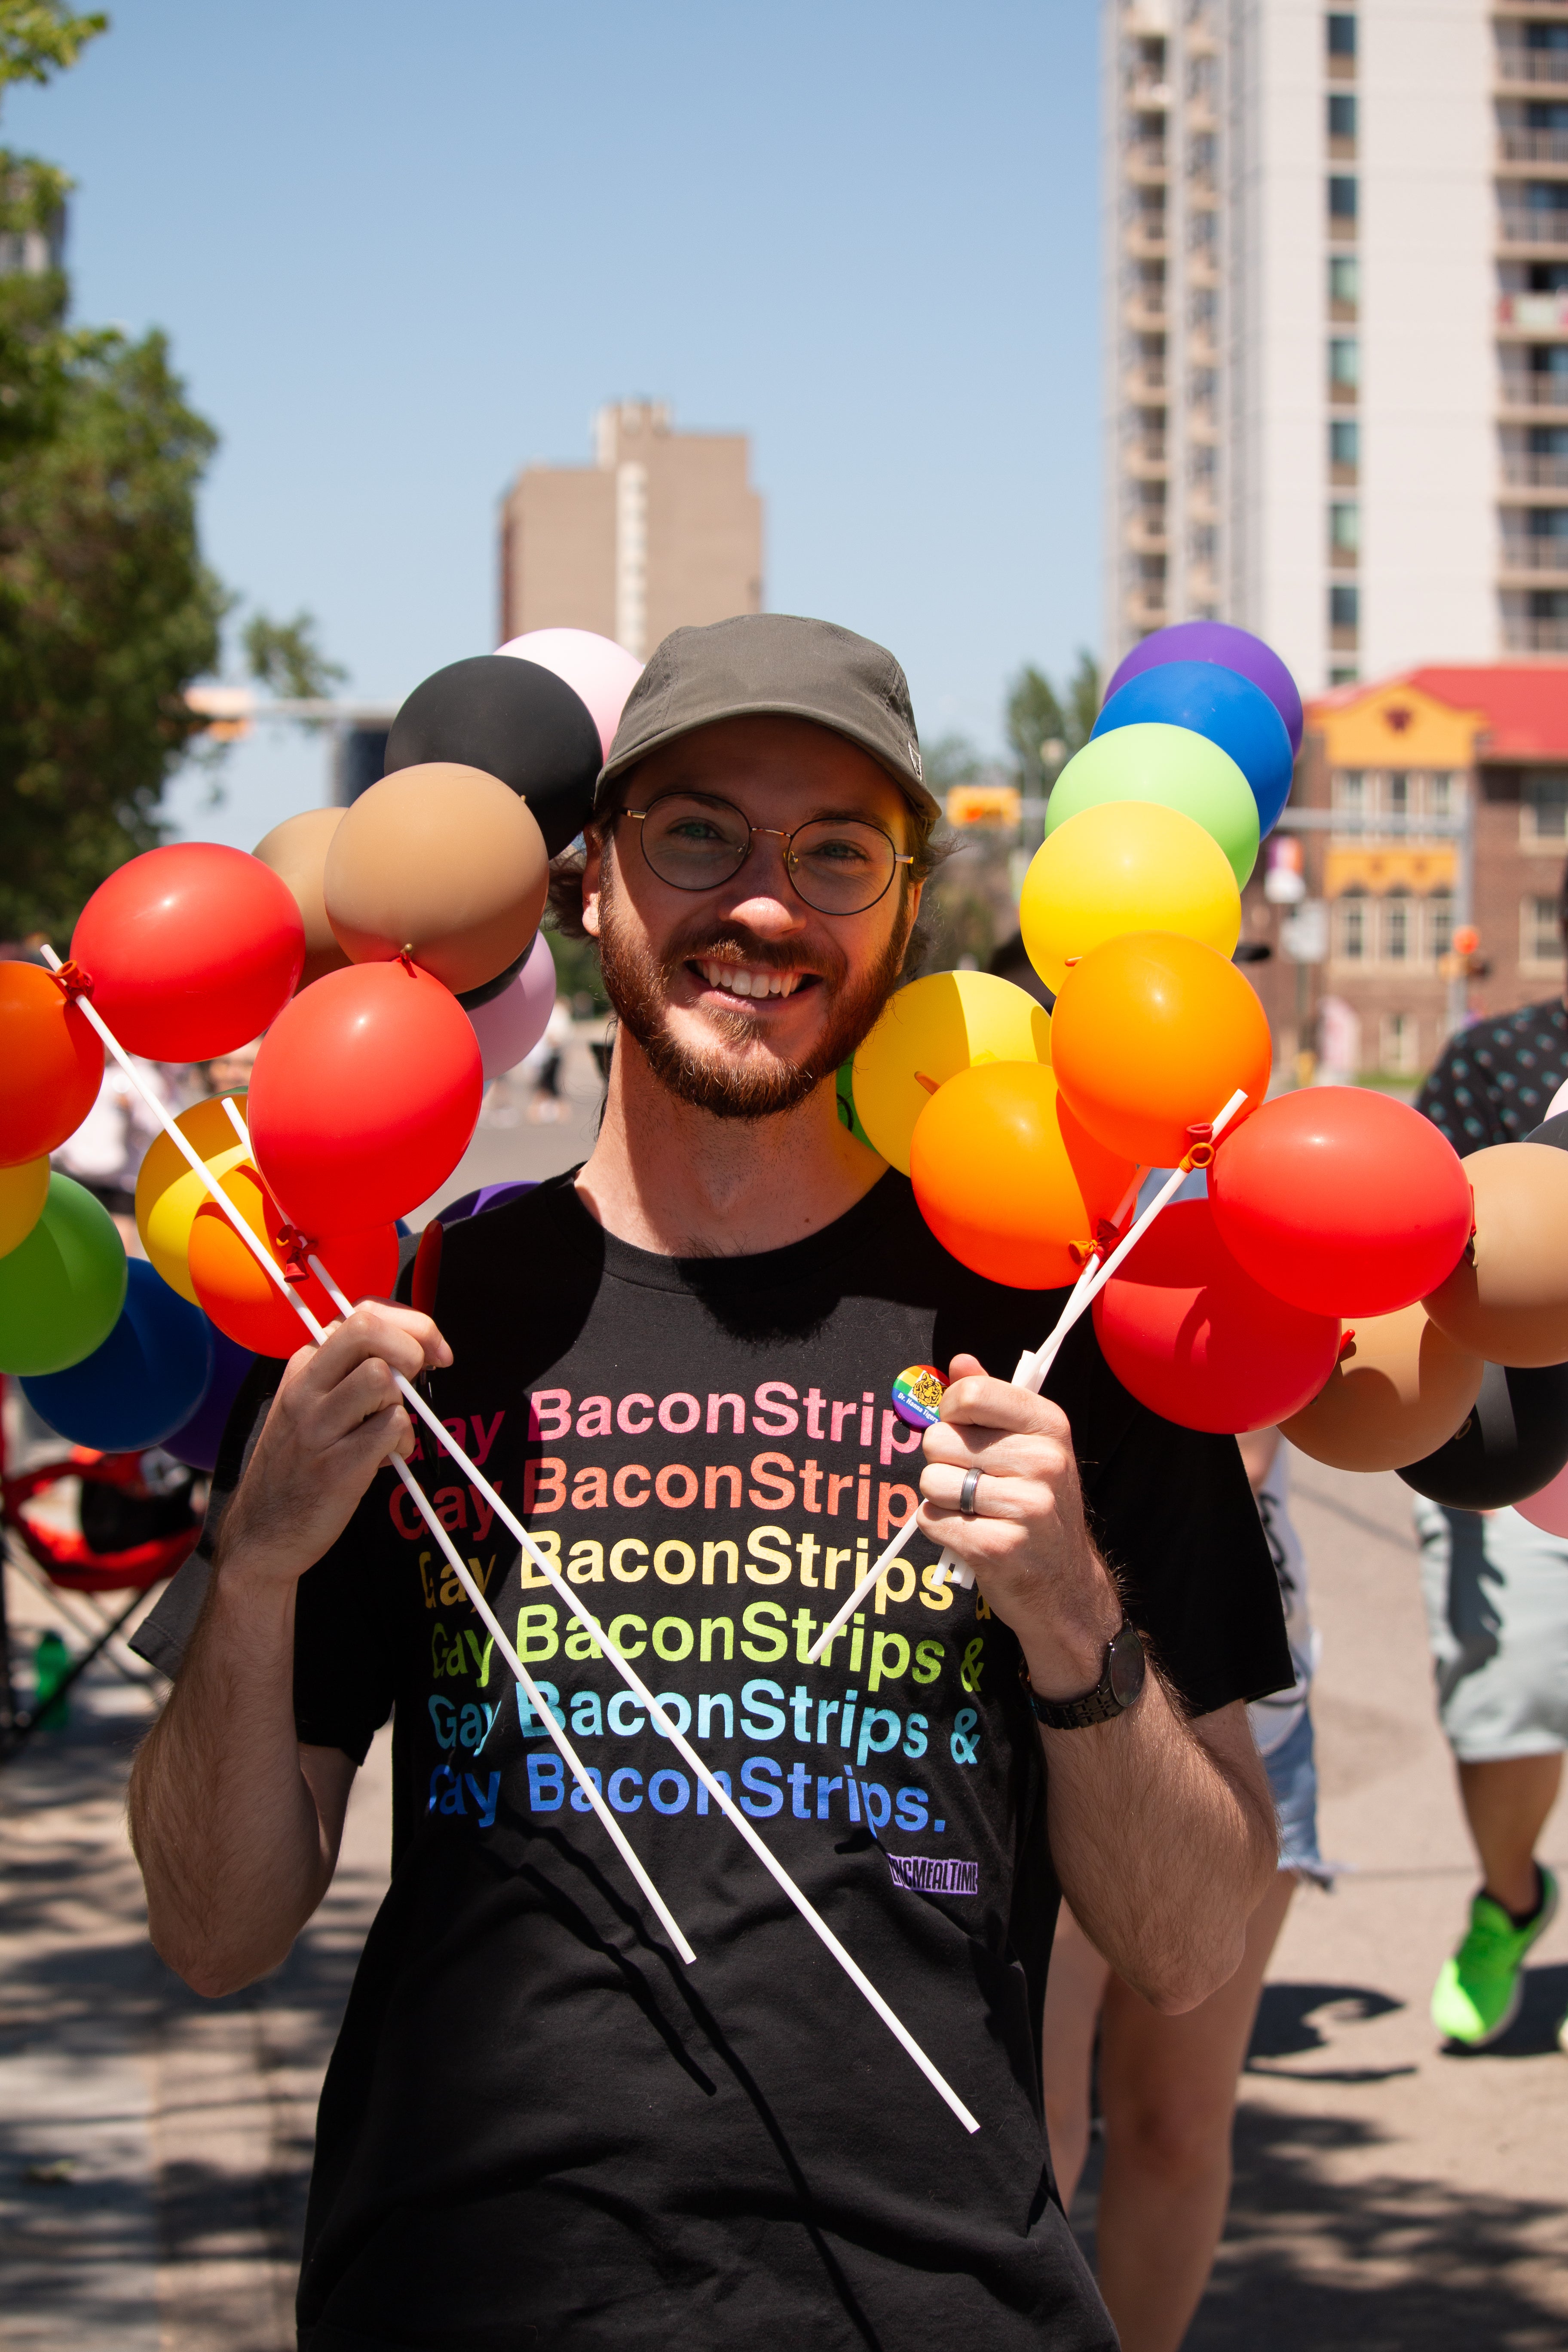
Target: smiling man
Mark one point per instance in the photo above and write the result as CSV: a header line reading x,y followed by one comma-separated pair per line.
x,y
538,2127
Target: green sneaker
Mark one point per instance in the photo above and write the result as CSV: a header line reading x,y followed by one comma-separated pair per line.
x,y
1478,1993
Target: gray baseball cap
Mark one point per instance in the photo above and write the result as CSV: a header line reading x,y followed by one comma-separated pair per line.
x,y
776,665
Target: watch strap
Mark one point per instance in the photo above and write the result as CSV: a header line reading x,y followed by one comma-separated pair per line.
x,y
1101,1704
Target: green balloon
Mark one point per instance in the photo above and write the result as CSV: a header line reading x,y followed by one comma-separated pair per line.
x,y
61,1290
1154,763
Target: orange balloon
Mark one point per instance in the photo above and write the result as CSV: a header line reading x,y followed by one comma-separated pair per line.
x,y
1507,1299
244,1302
296,852
1152,1034
1007,1178
1400,1390
51,1063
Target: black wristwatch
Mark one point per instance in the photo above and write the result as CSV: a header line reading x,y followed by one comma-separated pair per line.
x,y
1120,1680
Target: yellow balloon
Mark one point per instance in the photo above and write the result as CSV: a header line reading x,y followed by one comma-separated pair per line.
x,y
24,1189
169,1191
1125,866
927,1033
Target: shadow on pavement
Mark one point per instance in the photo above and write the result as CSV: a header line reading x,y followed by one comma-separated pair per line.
x,y
1388,2265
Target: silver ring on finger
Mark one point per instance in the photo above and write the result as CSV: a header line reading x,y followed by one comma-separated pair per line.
x,y
967,1493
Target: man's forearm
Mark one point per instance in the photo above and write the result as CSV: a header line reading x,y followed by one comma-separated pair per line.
x,y
224,1825
1164,1842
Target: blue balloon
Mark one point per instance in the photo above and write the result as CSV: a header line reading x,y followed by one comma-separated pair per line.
x,y
195,1441
148,1377
1223,706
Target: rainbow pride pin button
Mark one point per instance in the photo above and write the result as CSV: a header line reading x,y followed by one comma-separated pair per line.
x,y
918,1394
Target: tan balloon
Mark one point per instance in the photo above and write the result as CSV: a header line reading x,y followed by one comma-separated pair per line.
x,y
296,852
443,861
1507,1299
1401,1389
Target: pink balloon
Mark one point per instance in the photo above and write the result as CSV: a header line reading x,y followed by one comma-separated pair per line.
x,y
512,1023
598,671
1549,1509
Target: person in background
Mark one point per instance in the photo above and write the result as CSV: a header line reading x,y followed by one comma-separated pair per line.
x,y
543,1066
1167,2084
1496,1590
105,1153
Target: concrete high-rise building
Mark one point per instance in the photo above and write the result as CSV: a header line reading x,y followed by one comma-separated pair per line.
x,y
662,530
1336,327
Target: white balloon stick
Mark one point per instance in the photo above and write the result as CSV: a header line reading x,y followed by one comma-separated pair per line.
x,y
269,1265
1030,1373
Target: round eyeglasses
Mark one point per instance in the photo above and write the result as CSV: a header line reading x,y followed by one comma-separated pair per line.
x,y
838,866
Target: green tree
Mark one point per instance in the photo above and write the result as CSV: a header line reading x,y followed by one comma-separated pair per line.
x,y
1045,728
284,656
107,612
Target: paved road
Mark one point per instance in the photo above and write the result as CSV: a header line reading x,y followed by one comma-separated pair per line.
x,y
154,2148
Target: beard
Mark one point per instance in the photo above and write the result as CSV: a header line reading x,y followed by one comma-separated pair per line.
x,y
710,1078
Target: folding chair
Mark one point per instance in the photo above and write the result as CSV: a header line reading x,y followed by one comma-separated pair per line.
x,y
60,1561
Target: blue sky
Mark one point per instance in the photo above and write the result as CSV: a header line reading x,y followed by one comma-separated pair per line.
x,y
401,252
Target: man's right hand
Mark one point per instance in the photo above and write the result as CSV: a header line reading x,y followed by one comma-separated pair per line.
x,y
336,1417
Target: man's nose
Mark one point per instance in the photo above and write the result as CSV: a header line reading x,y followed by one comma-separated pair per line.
x,y
765,899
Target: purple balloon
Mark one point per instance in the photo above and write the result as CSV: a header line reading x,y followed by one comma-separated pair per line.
x,y
1231,648
489,1196
196,1443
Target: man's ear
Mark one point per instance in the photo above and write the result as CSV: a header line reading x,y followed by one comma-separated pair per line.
x,y
594,844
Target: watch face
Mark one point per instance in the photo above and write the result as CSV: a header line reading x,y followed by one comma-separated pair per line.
x,y
1126,1667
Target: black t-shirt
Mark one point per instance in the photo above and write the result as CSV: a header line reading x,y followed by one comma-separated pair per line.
x,y
539,2126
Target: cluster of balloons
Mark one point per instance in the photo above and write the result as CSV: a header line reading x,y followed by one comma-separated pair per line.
x,y
1347,1275
390,958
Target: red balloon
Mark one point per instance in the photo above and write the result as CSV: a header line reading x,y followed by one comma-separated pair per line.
x,y
191,950
1193,1338
246,1303
363,1096
1341,1200
51,1063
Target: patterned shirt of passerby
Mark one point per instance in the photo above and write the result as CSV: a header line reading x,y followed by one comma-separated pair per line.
x,y
1491,1084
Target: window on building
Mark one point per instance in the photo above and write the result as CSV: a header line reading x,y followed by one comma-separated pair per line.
x,y
1342,35
1349,790
1540,931
1401,1038
1344,446
1399,795
1350,913
1342,199
1344,361
1439,923
1440,796
1397,910
1344,527
1341,114
1345,607
1343,674
1544,805
1345,280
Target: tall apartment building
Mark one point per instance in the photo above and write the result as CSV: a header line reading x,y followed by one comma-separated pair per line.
x,y
1336,327
662,531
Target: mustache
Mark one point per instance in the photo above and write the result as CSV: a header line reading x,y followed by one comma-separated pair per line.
x,y
733,943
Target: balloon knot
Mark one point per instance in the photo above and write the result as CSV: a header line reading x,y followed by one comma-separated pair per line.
x,y
73,980
931,1086
405,957
1069,961
1200,1156
293,1251
1081,1252
1347,1344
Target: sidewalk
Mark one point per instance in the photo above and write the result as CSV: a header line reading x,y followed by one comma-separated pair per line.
x,y
155,2148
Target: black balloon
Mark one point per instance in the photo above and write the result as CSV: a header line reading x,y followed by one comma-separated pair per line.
x,y
471,999
1552,1130
1514,1443
515,721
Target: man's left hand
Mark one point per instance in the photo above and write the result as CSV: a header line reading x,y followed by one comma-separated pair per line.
x,y
1027,1543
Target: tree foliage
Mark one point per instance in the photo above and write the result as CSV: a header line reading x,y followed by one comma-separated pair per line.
x,y
1037,718
285,657
107,611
